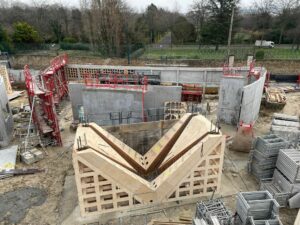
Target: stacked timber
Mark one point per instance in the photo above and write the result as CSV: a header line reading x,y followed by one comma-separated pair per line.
x,y
275,98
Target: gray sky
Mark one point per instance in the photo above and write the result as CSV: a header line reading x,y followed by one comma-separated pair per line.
x,y
181,5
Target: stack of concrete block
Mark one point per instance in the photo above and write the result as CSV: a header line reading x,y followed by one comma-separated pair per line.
x,y
286,180
264,156
256,206
32,156
287,127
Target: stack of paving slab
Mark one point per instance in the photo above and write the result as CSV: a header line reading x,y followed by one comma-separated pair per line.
x,y
287,127
264,156
258,207
213,212
285,184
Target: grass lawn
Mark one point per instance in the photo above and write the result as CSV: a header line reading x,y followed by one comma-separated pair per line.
x,y
210,53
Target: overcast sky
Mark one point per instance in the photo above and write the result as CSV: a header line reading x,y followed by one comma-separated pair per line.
x,y
182,5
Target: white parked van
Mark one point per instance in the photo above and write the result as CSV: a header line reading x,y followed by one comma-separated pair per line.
x,y
264,44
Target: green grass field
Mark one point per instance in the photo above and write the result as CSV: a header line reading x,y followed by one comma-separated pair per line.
x,y
212,54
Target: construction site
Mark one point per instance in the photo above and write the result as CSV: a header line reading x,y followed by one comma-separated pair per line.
x,y
148,145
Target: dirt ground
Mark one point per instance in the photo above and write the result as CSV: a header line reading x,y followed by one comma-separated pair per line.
x,y
58,166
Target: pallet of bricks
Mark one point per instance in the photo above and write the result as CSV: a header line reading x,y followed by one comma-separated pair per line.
x,y
285,184
257,208
262,160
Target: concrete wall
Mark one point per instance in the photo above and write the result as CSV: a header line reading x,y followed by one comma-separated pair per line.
x,y
116,106
239,101
6,120
156,96
209,77
100,105
251,101
230,96
75,92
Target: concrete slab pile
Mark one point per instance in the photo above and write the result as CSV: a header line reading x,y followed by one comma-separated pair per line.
x,y
213,212
256,206
285,183
287,127
263,158
111,176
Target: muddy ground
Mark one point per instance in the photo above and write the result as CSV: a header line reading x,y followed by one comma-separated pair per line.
x,y
50,205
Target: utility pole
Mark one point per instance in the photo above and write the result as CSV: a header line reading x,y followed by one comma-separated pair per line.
x,y
230,30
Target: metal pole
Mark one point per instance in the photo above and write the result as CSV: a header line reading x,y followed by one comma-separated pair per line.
x,y
30,119
230,31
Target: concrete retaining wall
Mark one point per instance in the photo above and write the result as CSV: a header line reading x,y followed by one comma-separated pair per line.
x,y
230,96
6,120
209,77
116,106
239,102
252,95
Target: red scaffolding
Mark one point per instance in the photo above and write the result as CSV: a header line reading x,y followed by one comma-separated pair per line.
x,y
44,94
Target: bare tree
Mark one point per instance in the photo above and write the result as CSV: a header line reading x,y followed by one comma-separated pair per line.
x,y
198,13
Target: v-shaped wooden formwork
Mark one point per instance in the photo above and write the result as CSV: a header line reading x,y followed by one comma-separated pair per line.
x,y
110,176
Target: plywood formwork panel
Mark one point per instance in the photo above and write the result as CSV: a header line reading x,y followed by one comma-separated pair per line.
x,y
106,183
4,74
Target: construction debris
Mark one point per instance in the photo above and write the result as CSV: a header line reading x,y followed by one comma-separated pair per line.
x,y
262,161
242,141
253,207
212,212
8,159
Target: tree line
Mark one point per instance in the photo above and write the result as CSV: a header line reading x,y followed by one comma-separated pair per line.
x,y
113,28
